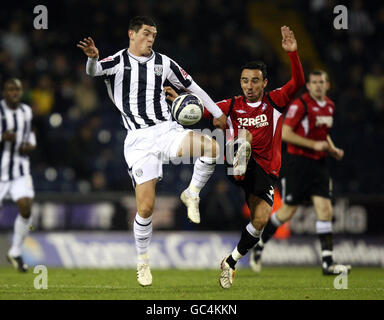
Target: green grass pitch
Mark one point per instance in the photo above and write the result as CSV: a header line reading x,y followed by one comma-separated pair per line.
x,y
272,283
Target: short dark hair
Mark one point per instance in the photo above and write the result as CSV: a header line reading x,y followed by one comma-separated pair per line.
x,y
11,80
256,65
136,23
318,72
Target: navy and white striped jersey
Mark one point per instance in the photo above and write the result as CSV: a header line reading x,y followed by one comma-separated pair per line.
x,y
19,120
135,85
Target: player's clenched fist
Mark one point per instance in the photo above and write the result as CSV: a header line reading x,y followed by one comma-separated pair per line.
x,y
88,47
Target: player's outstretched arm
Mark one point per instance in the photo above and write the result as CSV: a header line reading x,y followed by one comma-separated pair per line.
x,y
88,47
282,96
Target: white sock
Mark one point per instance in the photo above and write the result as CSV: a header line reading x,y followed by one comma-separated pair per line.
x,y
236,255
142,229
323,226
202,171
20,231
253,231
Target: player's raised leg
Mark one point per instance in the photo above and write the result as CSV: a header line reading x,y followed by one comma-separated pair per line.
x,y
324,211
260,211
284,214
207,151
20,231
142,229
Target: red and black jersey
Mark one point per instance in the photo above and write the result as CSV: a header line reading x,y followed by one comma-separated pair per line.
x,y
264,118
310,119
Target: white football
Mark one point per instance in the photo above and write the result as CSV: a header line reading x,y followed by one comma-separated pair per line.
x,y
187,109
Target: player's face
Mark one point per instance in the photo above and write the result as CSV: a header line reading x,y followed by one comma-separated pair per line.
x,y
142,41
318,86
12,92
253,83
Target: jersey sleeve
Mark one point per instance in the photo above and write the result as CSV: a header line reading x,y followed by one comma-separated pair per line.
x,y
106,67
294,114
282,96
223,105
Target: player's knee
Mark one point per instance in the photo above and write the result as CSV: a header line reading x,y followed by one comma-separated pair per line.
x,y
146,209
326,213
259,221
324,210
25,207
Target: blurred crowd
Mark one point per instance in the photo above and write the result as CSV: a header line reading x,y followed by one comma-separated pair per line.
x,y
79,131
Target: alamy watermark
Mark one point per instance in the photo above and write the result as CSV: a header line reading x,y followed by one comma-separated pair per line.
x,y
41,20
41,280
341,20
341,281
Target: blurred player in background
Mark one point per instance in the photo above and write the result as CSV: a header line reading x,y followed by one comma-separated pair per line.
x,y
306,131
135,79
259,113
17,141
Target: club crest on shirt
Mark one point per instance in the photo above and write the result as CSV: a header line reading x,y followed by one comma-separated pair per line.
x,y
139,172
158,70
264,106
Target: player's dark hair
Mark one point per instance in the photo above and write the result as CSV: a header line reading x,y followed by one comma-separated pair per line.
x,y
256,65
11,80
318,72
136,23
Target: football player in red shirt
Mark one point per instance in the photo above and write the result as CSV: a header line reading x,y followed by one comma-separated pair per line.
x,y
306,131
259,114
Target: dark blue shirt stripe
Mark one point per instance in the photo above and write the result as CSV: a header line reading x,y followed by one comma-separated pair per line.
x,y
126,89
158,81
142,94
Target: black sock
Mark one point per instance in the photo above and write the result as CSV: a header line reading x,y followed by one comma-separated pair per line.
x,y
326,242
269,231
247,241
232,262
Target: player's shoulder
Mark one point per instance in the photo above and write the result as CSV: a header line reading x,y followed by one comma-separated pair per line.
x,y
233,100
330,101
298,101
112,57
120,52
164,57
26,107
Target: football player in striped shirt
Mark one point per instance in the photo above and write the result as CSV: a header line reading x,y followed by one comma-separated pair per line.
x,y
16,142
135,79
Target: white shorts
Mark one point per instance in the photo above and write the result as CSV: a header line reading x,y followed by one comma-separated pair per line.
x,y
146,149
16,189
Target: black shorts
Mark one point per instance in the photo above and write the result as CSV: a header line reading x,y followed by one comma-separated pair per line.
x,y
302,177
257,182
